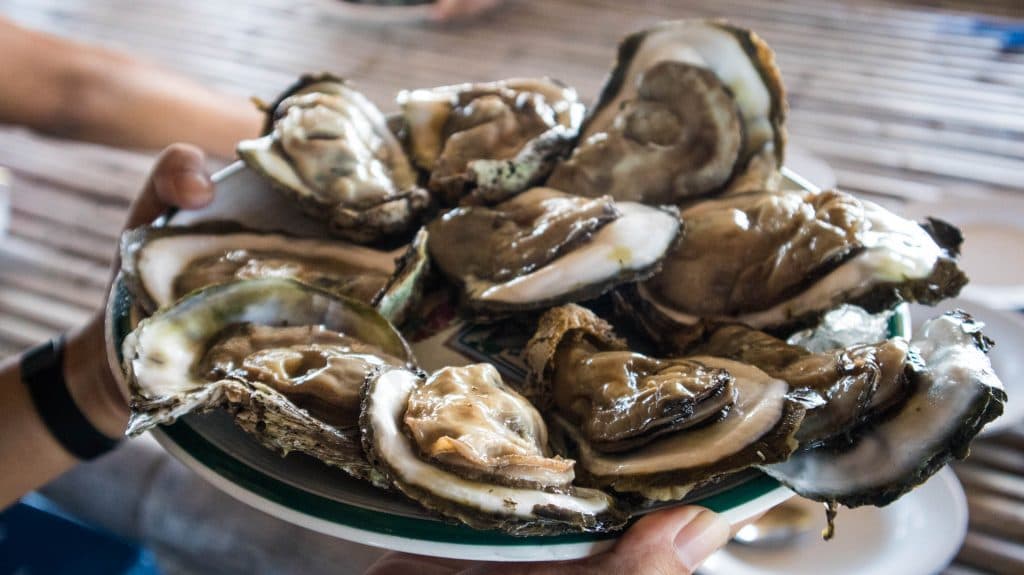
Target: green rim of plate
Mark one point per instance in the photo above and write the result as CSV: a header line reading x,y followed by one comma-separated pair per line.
x,y
262,485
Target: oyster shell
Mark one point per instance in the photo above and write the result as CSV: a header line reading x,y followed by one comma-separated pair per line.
x,y
777,261
330,148
287,360
406,287
544,247
955,393
490,140
462,443
681,422
162,264
691,108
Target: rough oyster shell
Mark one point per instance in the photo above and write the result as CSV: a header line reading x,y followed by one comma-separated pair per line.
x,y
162,354
492,140
331,149
955,394
476,501
675,88
156,261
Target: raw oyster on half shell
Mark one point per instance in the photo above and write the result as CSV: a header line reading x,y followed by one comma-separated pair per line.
x,y
464,444
544,247
287,360
656,427
490,141
691,108
163,264
953,394
330,148
777,261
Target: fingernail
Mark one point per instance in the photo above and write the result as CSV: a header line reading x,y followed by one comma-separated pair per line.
x,y
701,537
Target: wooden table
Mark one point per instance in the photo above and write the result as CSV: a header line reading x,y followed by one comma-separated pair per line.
x,y
912,100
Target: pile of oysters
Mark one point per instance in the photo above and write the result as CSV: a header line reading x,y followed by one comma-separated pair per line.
x,y
647,244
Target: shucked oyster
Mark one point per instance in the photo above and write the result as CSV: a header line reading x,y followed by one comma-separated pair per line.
x,y
287,360
690,109
778,260
464,444
331,148
490,140
162,264
543,247
844,388
953,394
657,427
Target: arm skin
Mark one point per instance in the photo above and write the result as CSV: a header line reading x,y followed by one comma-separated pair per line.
x,y
82,92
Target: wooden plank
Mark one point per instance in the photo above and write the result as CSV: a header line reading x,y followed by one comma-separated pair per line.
x,y
56,287
996,516
42,310
66,239
987,480
992,554
19,331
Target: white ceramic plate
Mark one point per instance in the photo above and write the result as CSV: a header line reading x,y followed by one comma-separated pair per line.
x,y
1006,328
992,256
919,534
306,492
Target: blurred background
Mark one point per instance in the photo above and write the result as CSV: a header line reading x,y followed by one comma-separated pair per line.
x,y
908,102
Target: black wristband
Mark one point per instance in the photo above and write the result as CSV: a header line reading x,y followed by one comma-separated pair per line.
x,y
42,371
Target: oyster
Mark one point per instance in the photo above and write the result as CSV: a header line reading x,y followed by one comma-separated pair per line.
x,y
287,360
954,394
777,261
543,247
406,287
843,388
657,427
162,264
492,140
691,108
464,444
330,147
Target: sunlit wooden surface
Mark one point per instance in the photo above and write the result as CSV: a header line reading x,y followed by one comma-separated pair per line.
x,y
910,100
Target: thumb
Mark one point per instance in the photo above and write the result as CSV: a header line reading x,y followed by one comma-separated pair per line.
x,y
178,180
672,541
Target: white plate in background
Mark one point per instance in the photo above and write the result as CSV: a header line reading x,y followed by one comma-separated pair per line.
x,y
993,250
919,534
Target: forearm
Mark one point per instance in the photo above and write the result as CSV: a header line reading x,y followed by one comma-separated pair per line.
x,y
29,453
77,91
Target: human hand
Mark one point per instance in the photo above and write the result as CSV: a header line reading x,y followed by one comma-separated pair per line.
x,y
444,10
674,541
178,179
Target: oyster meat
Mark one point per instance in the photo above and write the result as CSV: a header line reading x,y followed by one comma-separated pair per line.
x,y
777,261
657,427
330,147
464,444
544,247
844,387
287,360
162,264
954,394
691,108
493,140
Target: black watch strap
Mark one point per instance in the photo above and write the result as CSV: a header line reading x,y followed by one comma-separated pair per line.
x,y
42,371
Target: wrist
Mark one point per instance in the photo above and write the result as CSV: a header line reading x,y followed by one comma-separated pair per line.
x,y
91,381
